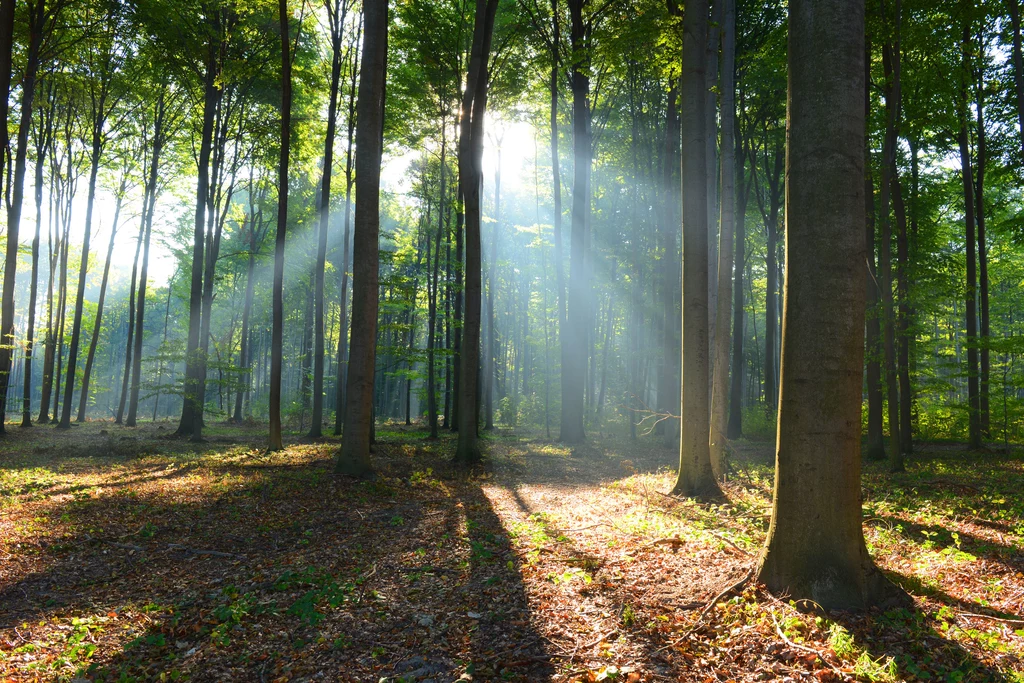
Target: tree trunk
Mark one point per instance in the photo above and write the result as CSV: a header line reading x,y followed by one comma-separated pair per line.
x,y
343,331
873,330
575,332
735,428
432,303
83,399
44,139
720,390
696,477
891,62
815,547
277,339
983,403
140,308
28,92
337,22
471,147
354,456
99,116
491,346
973,399
1018,66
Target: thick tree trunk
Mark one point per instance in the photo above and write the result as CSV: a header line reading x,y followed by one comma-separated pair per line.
x,y
696,477
354,456
277,338
720,381
815,547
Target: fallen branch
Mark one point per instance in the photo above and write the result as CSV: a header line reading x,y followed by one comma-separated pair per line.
x,y
804,648
601,638
726,540
987,616
709,605
194,551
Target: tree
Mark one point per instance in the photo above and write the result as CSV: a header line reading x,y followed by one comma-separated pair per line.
x,y
720,385
336,15
471,147
815,548
277,336
696,477
354,456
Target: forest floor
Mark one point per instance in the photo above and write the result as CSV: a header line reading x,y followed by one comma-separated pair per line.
x,y
126,555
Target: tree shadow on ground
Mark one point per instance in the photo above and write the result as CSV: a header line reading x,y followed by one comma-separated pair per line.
x,y
258,572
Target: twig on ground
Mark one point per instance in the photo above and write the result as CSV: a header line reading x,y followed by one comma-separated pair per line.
x,y
195,551
991,618
602,637
804,648
709,606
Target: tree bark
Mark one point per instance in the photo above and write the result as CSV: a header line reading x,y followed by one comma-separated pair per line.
x,y
973,399
354,456
815,548
337,22
83,399
696,477
471,147
720,387
191,411
574,333
891,64
982,157
140,308
277,338
28,91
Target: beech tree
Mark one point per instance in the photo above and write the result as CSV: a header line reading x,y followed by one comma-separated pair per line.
x,y
815,548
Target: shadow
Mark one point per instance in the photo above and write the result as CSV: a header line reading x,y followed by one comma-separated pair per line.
x,y
258,572
909,644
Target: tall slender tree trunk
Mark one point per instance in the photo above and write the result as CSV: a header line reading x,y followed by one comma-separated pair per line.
x,y
28,91
354,456
44,139
815,548
973,399
720,390
140,308
190,423
903,334
244,360
696,477
277,339
556,176
471,148
735,427
83,399
337,22
432,303
575,332
875,447
343,333
491,345
982,158
99,116
891,63
1018,66
129,344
